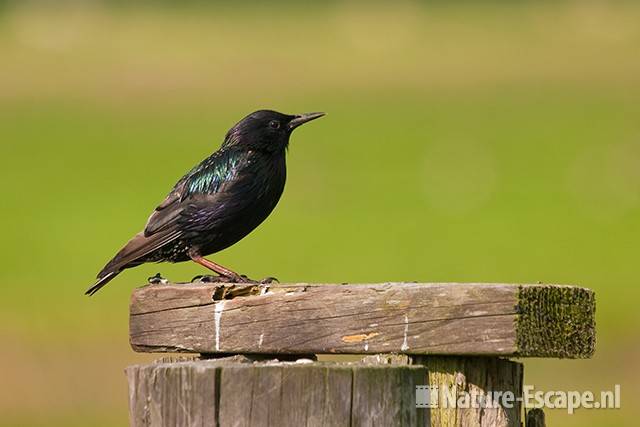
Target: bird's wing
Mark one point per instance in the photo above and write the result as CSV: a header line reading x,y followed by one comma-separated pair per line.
x,y
206,179
167,211
170,220
196,202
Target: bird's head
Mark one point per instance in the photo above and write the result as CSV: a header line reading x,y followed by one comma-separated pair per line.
x,y
266,130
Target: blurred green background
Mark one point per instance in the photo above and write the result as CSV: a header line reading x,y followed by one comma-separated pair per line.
x,y
488,142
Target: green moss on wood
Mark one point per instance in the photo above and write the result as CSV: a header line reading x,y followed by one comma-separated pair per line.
x,y
555,321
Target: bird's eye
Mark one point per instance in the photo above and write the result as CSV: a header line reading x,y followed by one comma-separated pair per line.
x,y
274,124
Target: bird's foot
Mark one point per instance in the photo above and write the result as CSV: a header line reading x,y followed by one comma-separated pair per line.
x,y
209,278
266,281
157,280
240,278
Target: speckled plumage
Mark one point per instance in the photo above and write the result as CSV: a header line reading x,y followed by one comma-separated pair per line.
x,y
220,200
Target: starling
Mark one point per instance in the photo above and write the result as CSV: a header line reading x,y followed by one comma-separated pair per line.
x,y
218,202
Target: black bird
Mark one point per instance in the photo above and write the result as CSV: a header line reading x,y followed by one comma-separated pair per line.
x,y
219,201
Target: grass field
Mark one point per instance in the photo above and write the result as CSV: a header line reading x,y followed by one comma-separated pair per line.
x,y
495,143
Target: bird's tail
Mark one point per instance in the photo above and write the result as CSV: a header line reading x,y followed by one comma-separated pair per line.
x,y
132,254
102,280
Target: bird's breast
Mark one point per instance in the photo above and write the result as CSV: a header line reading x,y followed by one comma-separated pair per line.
x,y
251,199
270,178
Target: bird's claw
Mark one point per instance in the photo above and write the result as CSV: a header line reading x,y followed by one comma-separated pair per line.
x,y
267,280
209,278
240,278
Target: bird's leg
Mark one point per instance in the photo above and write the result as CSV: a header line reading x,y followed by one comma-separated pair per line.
x,y
231,276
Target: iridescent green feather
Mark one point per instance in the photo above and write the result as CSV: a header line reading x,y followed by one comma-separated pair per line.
x,y
208,176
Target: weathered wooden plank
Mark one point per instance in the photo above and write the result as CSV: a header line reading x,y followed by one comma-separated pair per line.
x,y
410,318
225,393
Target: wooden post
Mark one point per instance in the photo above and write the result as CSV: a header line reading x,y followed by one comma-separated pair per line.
x,y
476,376
272,393
446,337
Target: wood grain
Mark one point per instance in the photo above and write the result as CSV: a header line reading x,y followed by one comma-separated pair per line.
x,y
484,377
410,318
278,394
380,390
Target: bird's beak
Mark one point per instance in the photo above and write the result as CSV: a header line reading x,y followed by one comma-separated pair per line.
x,y
301,119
